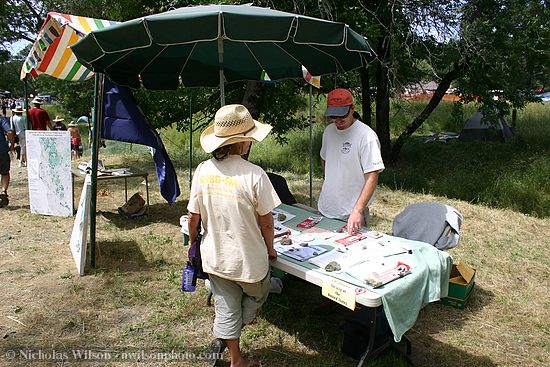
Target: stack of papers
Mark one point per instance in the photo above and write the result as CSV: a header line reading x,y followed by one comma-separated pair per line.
x,y
299,252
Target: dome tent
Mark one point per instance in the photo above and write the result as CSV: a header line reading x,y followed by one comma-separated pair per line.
x,y
478,128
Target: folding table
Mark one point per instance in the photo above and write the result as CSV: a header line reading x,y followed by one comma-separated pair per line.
x,y
366,295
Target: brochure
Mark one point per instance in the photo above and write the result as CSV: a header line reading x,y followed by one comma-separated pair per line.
x,y
299,252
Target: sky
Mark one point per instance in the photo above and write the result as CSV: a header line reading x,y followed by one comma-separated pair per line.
x,y
18,46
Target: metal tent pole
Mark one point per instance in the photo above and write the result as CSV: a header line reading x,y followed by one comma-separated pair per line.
x,y
97,120
310,146
26,106
190,140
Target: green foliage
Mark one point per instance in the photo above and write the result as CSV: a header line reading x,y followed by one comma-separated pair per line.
x,y
76,97
512,175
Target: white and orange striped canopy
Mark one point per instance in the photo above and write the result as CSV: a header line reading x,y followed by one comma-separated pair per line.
x,y
51,53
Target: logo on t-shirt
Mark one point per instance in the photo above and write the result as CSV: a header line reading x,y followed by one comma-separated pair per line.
x,y
346,147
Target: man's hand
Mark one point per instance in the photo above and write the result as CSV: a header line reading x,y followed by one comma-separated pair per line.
x,y
355,221
272,254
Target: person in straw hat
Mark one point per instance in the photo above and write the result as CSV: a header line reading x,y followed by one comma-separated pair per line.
x,y
58,124
19,125
233,199
38,117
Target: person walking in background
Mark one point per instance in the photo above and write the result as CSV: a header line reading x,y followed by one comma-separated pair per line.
x,y
5,131
38,118
19,126
76,140
351,159
233,199
58,124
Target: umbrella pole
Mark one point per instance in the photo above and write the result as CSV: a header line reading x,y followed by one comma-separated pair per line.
x,y
190,141
222,89
98,112
310,145
220,60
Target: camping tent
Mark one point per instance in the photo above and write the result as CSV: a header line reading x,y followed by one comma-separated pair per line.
x,y
478,128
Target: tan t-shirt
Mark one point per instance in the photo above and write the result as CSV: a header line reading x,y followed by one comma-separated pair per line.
x,y
230,195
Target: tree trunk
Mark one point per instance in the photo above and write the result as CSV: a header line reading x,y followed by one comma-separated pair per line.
x,y
514,118
365,96
445,83
383,97
253,100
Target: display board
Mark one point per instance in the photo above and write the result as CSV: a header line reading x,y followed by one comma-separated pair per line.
x,y
80,227
49,171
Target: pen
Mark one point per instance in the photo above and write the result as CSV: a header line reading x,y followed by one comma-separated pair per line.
x,y
401,253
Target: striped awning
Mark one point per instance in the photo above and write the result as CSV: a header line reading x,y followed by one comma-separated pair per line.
x,y
51,53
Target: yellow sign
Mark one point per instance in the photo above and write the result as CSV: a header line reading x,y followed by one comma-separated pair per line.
x,y
340,292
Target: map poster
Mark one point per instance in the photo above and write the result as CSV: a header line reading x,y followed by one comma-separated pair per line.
x,y
49,170
80,227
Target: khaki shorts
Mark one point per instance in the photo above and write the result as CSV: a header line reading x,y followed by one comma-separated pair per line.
x,y
236,304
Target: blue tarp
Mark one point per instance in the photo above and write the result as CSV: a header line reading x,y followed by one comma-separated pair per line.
x,y
124,121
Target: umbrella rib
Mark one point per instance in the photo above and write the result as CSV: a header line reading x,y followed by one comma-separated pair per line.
x,y
187,59
338,65
153,59
126,49
90,62
254,56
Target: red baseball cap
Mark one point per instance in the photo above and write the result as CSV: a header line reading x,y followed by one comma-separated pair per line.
x,y
339,102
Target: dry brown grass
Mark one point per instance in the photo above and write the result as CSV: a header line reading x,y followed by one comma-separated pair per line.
x,y
131,301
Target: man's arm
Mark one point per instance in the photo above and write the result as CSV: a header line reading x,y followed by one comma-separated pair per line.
x,y
268,232
193,225
11,138
355,219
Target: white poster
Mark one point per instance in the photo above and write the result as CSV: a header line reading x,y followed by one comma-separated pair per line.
x,y
49,170
80,227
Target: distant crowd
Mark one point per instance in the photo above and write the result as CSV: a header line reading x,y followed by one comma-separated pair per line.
x,y
12,136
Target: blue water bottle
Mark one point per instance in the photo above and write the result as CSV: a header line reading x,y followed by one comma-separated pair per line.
x,y
187,279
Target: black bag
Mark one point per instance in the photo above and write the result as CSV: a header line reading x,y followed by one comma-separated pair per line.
x,y
357,331
194,254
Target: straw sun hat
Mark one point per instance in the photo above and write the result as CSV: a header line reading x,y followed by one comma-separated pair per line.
x,y
18,109
232,124
58,119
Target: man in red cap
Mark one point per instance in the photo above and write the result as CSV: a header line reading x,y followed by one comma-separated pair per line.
x,y
351,158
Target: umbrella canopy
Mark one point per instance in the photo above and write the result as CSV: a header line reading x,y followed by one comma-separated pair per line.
x,y
210,45
50,54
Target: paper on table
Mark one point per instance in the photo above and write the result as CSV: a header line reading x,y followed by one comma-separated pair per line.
x,y
298,252
377,274
281,229
320,233
281,216
345,259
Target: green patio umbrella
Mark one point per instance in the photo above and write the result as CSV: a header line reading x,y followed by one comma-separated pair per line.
x,y
213,44
210,45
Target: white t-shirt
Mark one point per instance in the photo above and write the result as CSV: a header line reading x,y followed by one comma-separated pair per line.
x,y
348,155
19,124
230,195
